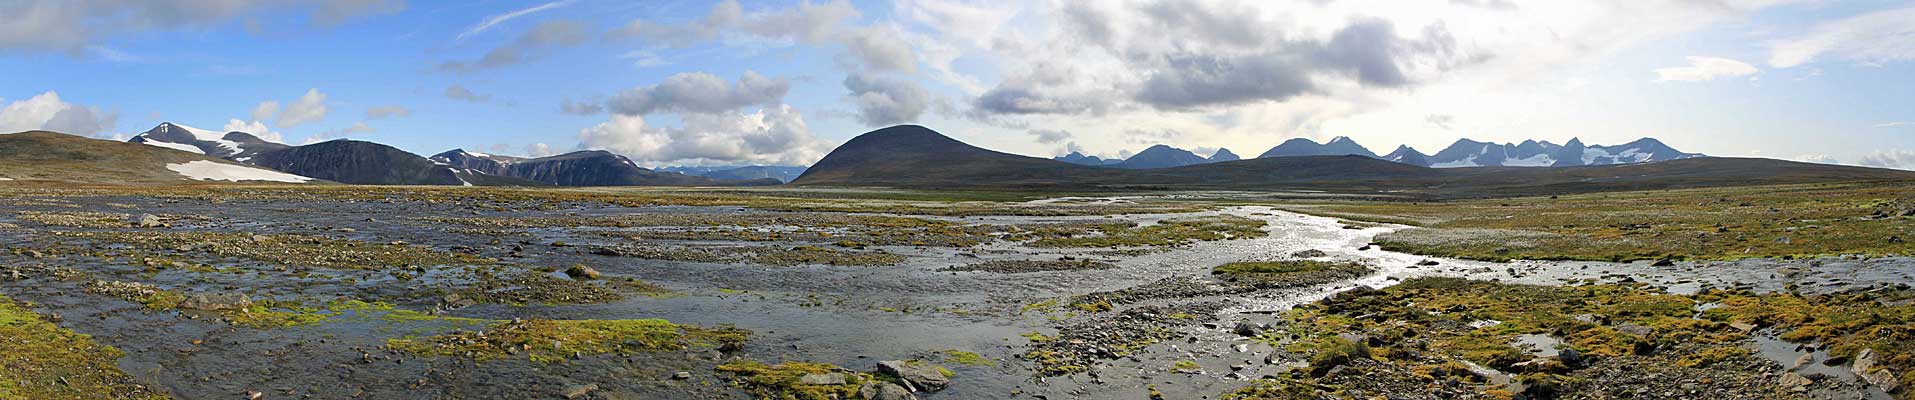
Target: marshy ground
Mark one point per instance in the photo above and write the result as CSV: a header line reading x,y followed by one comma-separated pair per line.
x,y
367,292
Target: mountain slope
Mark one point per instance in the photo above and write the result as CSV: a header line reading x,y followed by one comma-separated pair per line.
x,y
1407,155
1081,159
1339,146
360,163
476,162
50,156
1224,155
915,157
1161,156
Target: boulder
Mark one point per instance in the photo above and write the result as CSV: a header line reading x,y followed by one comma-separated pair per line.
x,y
1247,329
884,391
916,374
1865,367
1794,381
149,221
217,302
581,272
1311,253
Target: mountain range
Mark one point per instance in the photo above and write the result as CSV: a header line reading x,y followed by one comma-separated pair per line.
x,y
1463,153
368,163
910,156
783,173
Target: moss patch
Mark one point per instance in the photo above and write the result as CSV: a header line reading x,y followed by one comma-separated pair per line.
x,y
39,360
555,340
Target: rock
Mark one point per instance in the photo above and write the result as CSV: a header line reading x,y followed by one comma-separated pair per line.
x,y
1430,263
1664,262
884,391
1882,378
581,272
1743,326
1311,253
1805,359
918,374
1246,329
149,221
1794,381
578,391
682,375
834,378
217,302
1634,329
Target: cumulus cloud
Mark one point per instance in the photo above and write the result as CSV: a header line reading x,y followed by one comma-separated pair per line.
x,y
881,48
774,135
47,112
1875,38
72,26
886,101
255,127
1706,68
458,92
1893,158
383,112
536,150
265,110
700,93
310,107
528,46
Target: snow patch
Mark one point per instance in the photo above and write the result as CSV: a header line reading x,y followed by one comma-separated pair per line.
x,y
213,171
175,146
217,138
1467,162
1591,154
1539,160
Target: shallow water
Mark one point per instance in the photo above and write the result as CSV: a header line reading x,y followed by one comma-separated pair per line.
x,y
867,314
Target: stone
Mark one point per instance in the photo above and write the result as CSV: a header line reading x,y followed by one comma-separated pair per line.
x,y
682,375
1794,381
834,378
1311,253
217,302
1246,329
578,391
581,272
1805,359
884,391
1742,326
149,221
918,374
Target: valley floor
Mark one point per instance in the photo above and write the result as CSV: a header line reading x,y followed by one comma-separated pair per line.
x,y
401,292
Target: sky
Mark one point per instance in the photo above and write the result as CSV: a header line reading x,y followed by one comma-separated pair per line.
x,y
783,82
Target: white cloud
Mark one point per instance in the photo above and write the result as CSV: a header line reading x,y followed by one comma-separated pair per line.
x,y
1706,68
886,101
265,110
310,107
699,92
1875,37
255,127
494,20
47,112
1817,158
531,45
1894,124
539,150
774,135
1892,158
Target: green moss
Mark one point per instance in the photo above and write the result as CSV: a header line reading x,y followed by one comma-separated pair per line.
x,y
555,340
39,360
1164,233
961,357
1186,366
781,381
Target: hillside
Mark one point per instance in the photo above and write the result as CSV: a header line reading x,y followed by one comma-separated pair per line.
x,y
358,162
915,157
50,156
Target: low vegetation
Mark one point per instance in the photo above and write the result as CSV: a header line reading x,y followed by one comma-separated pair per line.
x,y
1707,224
39,360
544,340
1170,232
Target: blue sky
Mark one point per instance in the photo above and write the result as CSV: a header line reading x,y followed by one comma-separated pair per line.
x,y
781,82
